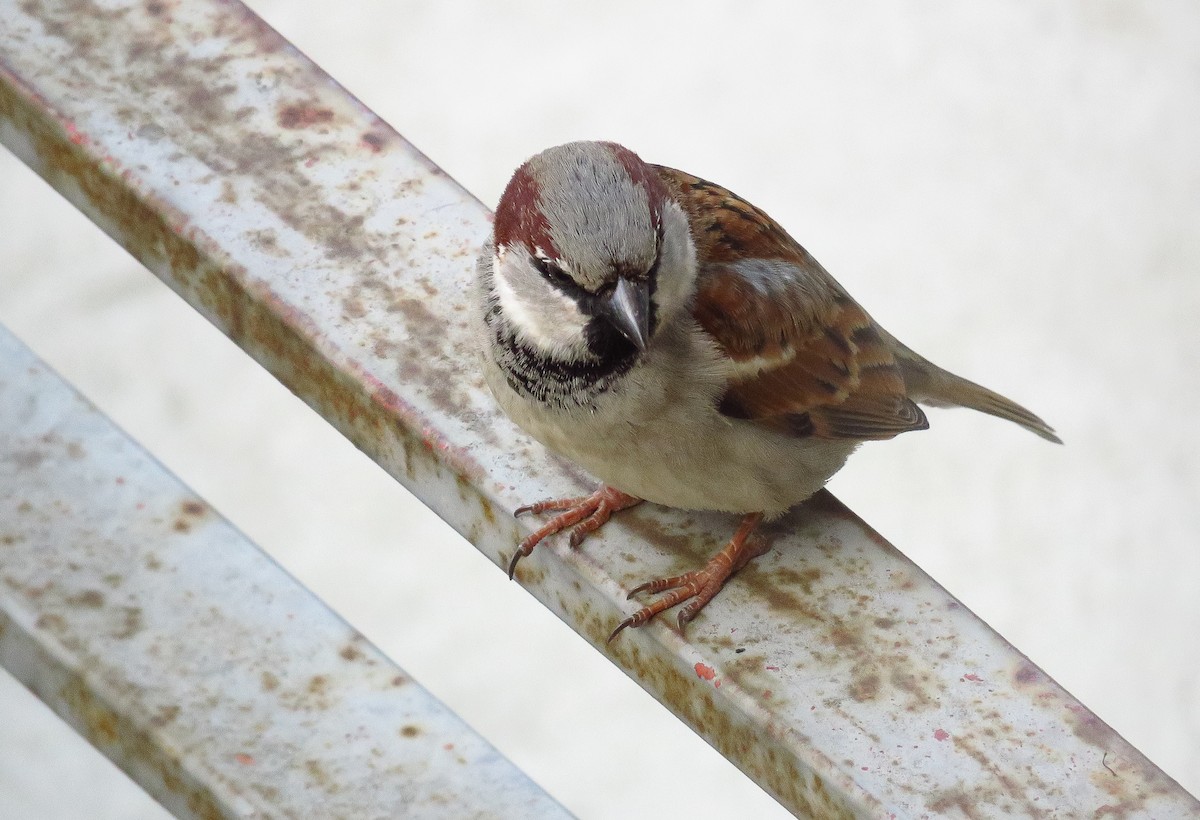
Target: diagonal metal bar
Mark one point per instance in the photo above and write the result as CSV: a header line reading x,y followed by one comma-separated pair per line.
x,y
189,657
833,671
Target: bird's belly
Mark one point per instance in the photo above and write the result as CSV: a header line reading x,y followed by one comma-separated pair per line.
x,y
689,459
728,469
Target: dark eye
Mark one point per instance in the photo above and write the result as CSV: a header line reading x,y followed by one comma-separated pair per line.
x,y
552,272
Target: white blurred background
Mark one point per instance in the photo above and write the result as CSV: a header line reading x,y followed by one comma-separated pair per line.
x,y
1013,189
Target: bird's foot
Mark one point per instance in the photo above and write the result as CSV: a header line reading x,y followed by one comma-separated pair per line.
x,y
585,513
700,586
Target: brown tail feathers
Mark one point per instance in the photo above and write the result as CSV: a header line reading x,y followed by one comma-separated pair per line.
x,y
929,384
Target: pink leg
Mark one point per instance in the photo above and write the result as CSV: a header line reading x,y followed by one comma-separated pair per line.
x,y
701,585
589,512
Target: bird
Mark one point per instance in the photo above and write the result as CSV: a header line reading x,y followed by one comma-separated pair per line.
x,y
677,343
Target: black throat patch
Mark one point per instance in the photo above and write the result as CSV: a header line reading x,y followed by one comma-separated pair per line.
x,y
558,382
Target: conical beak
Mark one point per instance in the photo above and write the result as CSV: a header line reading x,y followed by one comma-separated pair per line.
x,y
627,309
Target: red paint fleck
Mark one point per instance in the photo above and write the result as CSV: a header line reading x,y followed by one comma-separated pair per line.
x,y
449,747
772,668
75,136
120,479
941,734
865,768
244,759
716,684
705,672
973,677
141,505
767,694
310,162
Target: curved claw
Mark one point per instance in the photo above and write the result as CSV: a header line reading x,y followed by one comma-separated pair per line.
x,y
518,554
631,621
637,590
620,626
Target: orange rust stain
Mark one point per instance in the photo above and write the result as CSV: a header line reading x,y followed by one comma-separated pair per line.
x,y
244,759
303,116
350,652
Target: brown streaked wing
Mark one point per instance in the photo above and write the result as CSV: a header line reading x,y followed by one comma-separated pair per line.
x,y
812,362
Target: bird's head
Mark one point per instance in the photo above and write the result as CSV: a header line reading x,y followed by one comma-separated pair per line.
x,y
592,255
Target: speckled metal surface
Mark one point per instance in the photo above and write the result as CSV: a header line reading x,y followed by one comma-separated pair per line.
x,y
189,657
832,670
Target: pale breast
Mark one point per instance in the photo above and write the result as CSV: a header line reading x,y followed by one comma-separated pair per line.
x,y
658,435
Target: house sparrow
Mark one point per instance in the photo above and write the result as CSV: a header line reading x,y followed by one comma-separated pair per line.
x,y
675,341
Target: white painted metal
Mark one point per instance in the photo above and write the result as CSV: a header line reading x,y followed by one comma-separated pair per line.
x,y
832,670
189,657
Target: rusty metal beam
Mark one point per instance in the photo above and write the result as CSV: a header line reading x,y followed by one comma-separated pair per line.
x,y
189,657
833,671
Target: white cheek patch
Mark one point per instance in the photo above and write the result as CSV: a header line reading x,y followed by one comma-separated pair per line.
x,y
554,323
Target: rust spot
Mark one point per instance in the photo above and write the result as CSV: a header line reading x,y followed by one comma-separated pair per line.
x,y
131,623
373,141
865,686
351,652
1028,675
804,578
108,730
303,116
88,599
843,637
164,715
353,308
28,459
270,681
410,731
319,776
51,623
189,510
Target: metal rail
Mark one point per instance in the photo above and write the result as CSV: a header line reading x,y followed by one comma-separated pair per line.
x,y
189,657
832,670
